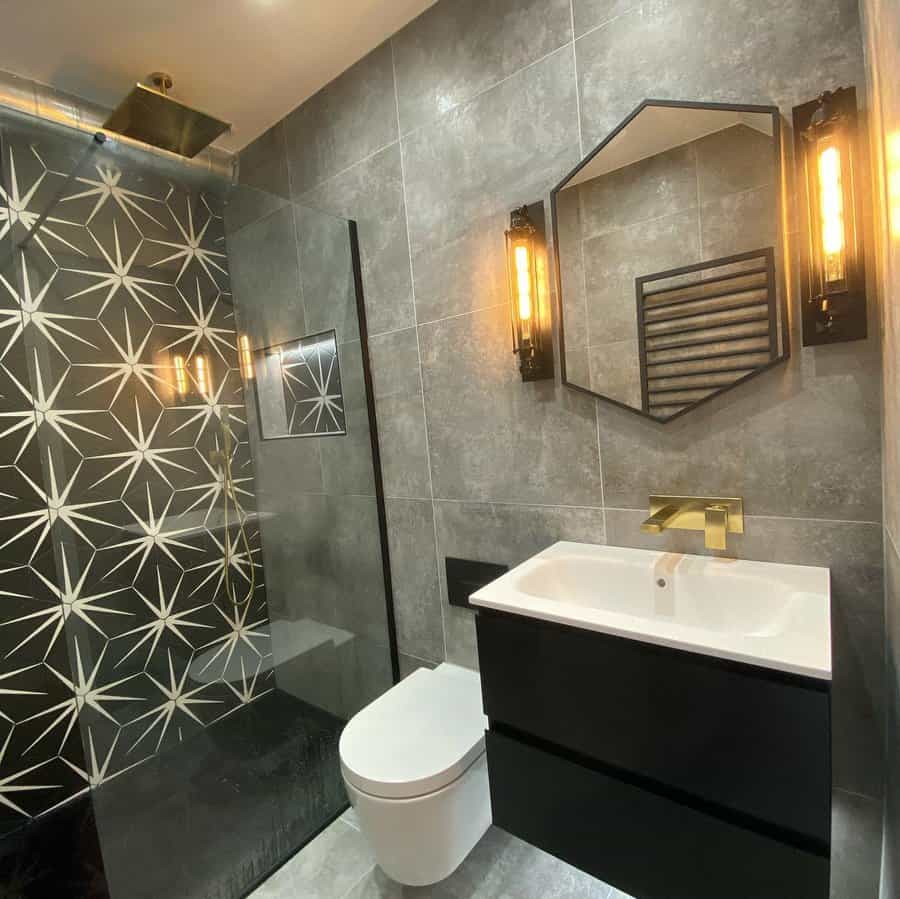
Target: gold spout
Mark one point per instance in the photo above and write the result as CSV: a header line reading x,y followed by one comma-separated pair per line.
x,y
661,519
715,516
716,526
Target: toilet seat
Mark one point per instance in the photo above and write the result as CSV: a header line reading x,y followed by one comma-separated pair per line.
x,y
417,738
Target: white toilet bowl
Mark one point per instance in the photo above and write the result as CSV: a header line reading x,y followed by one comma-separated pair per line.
x,y
414,767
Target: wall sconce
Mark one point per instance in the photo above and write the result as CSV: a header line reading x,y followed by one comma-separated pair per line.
x,y
527,291
201,375
181,377
246,356
833,276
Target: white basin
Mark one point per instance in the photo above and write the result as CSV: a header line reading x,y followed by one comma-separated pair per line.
x,y
762,613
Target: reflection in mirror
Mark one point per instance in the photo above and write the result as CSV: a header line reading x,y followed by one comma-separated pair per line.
x,y
667,241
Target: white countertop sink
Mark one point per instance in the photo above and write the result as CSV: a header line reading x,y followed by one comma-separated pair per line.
x,y
761,613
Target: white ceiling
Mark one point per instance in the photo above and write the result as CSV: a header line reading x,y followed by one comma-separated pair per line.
x,y
245,61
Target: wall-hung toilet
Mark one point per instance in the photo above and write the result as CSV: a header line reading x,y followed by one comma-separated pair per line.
x,y
414,767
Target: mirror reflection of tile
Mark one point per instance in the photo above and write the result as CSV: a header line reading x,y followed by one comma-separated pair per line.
x,y
298,388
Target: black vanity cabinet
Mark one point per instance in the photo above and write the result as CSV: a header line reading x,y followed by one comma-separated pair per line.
x,y
669,774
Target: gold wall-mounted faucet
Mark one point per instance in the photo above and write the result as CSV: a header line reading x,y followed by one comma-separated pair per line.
x,y
715,516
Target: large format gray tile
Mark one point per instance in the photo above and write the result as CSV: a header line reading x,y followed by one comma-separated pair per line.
x,y
326,272
735,159
401,414
371,193
589,14
263,184
739,222
613,260
507,535
649,189
801,440
353,555
326,868
349,119
493,437
754,51
891,870
853,553
499,867
414,578
453,51
265,279
466,171
347,466
855,846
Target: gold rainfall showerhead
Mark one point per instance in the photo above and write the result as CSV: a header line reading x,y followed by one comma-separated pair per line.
x,y
150,115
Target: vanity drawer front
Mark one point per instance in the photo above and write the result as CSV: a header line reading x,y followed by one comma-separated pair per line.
x,y
642,843
754,742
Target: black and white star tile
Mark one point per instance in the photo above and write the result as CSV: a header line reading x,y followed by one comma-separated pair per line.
x,y
118,357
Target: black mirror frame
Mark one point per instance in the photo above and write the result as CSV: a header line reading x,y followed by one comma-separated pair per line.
x,y
781,248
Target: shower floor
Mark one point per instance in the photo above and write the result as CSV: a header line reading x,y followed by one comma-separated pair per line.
x,y
206,820
210,819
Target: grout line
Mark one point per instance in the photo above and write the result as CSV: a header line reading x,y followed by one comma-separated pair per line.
x,y
287,166
891,541
344,170
356,883
577,91
643,511
699,207
478,94
600,464
493,502
447,318
609,21
412,286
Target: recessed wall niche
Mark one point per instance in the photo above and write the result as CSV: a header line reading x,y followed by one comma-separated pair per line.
x,y
298,388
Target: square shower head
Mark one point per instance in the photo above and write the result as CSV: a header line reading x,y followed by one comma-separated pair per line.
x,y
155,118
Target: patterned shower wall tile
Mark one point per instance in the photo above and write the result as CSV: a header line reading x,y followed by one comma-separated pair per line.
x,y
33,176
119,637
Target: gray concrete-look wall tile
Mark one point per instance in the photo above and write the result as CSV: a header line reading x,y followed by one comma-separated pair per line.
x,y
347,458
591,14
466,171
660,185
735,159
510,534
263,184
739,222
855,846
326,267
263,163
265,280
371,193
408,664
507,535
354,556
400,411
891,870
753,53
414,577
801,440
346,121
454,51
493,437
852,551
613,260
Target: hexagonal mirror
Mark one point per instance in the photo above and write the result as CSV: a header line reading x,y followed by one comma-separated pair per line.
x,y
668,253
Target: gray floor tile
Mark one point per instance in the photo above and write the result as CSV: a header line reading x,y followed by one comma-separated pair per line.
x,y
326,868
